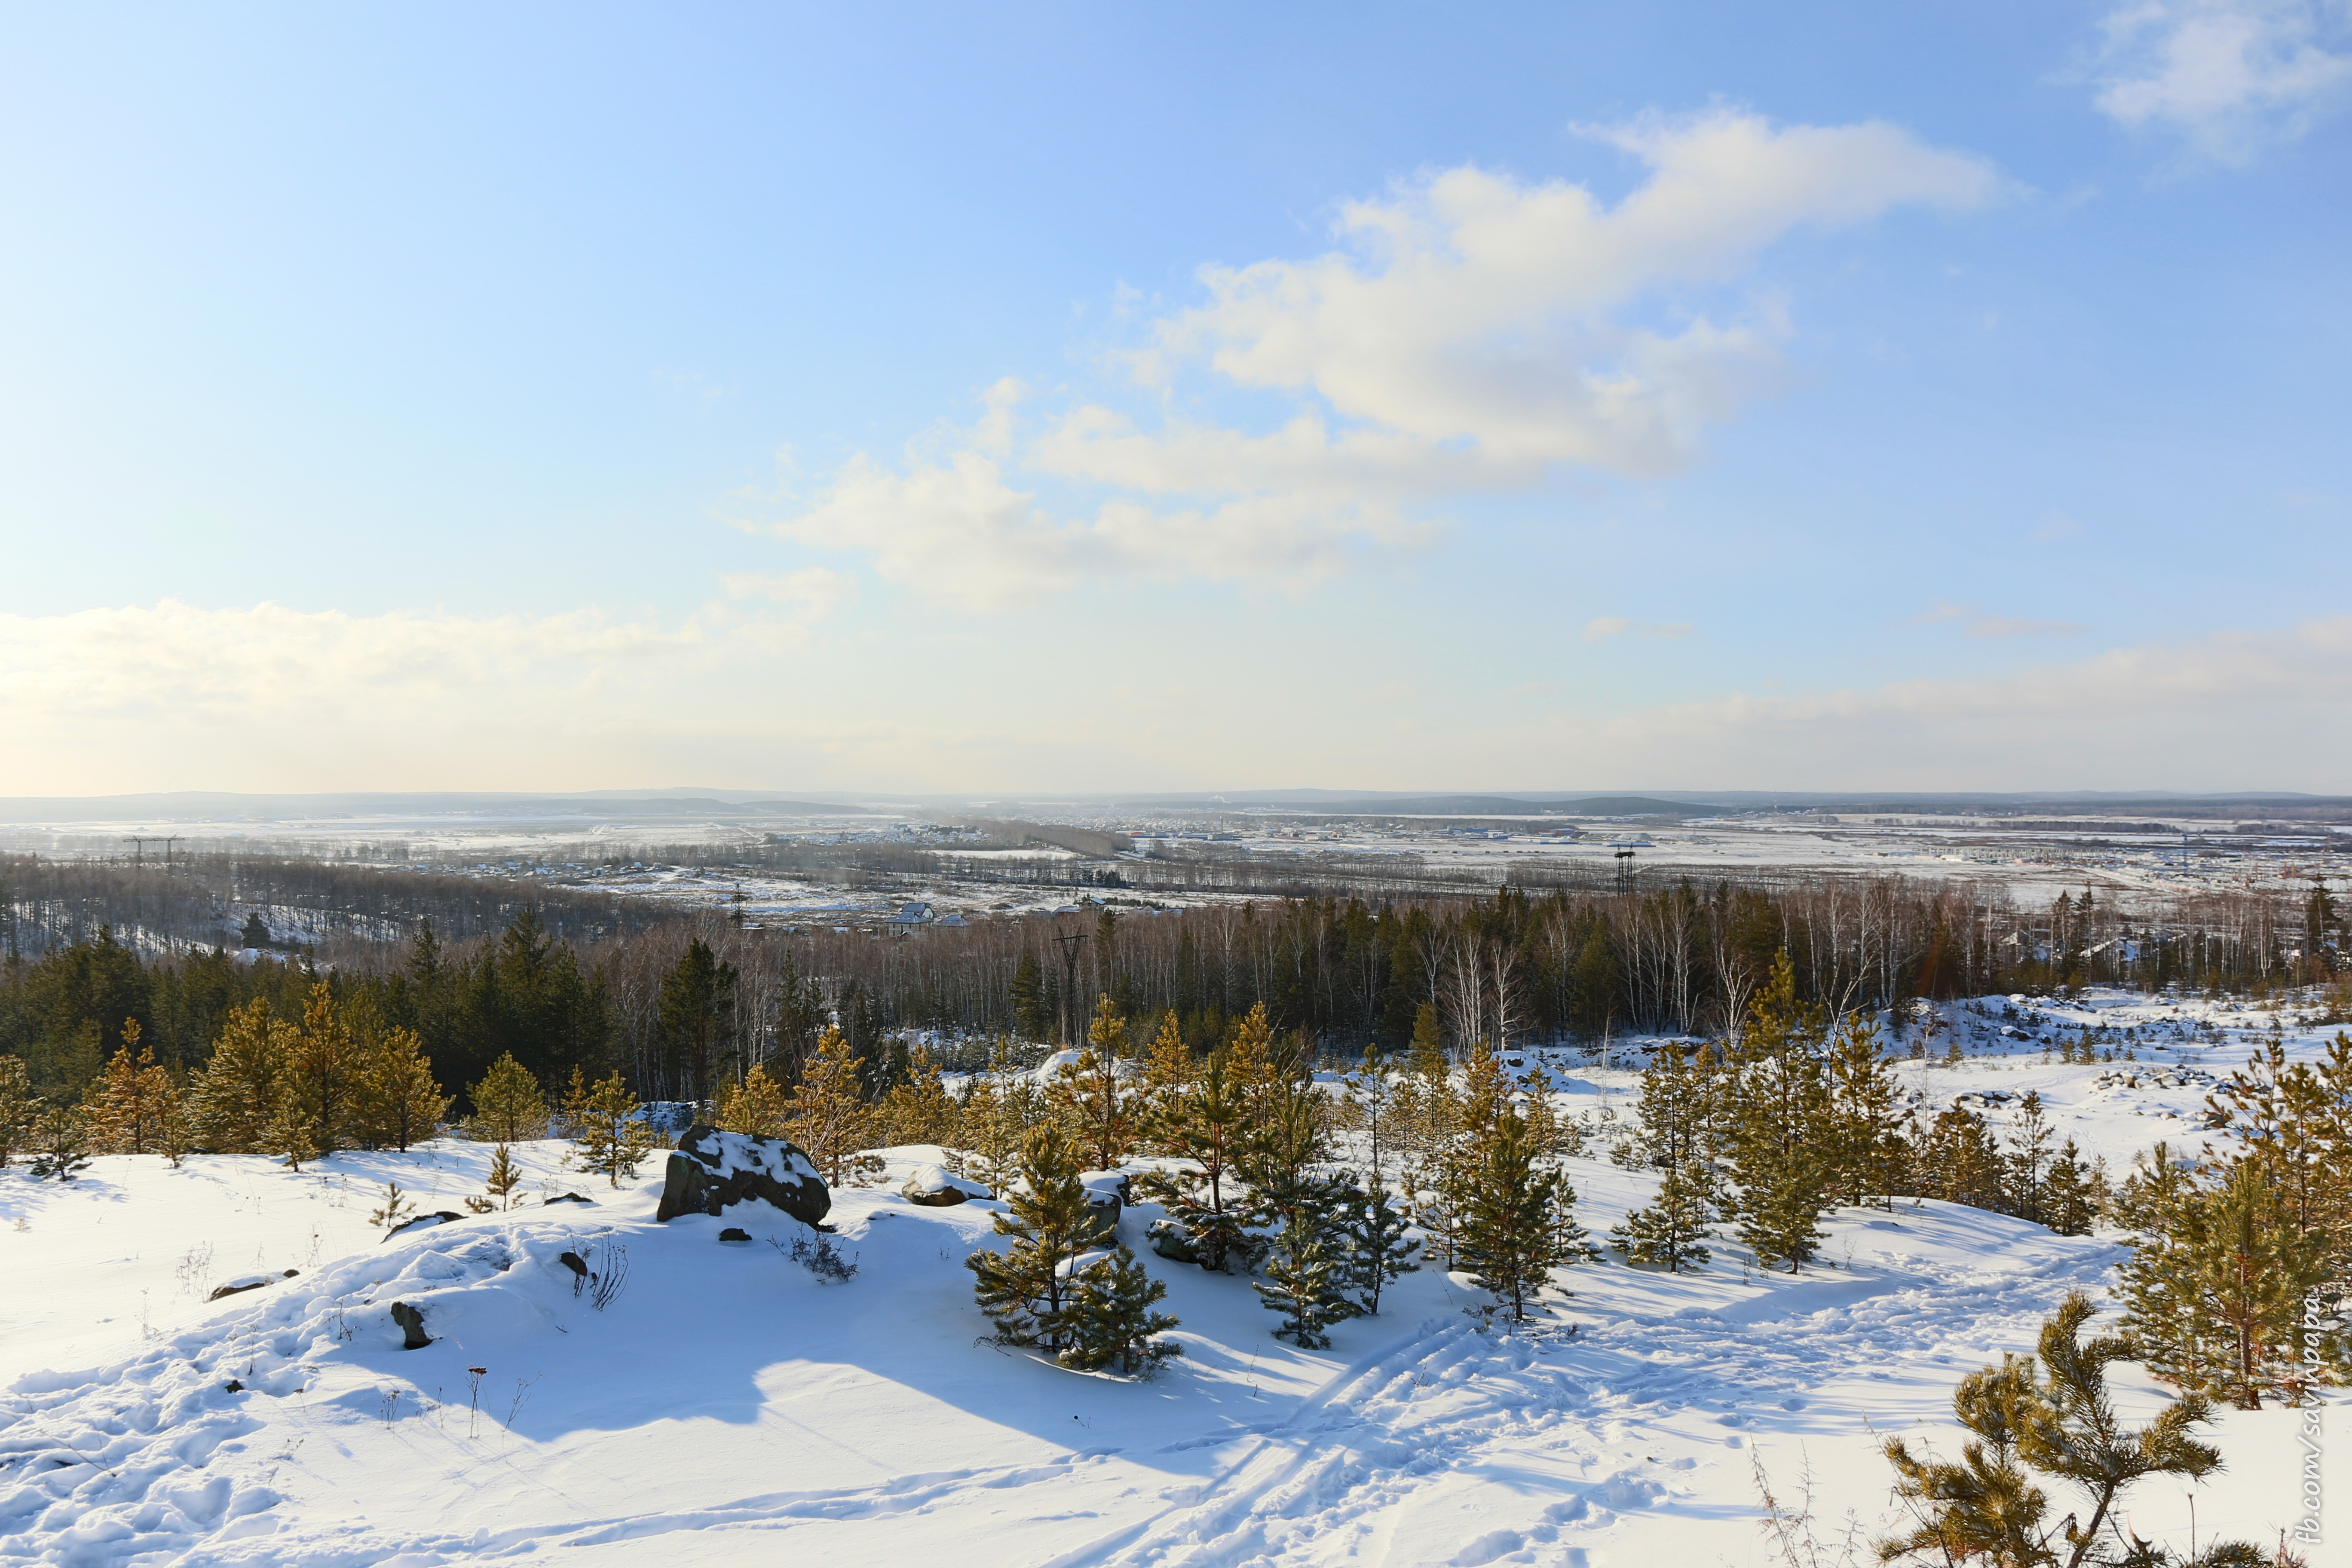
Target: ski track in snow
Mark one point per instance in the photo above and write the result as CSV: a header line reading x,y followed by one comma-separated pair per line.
x,y
109,1468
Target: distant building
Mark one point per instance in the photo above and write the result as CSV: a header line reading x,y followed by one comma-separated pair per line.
x,y
911,915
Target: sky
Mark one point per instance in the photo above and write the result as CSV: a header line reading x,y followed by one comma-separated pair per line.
x,y
1029,397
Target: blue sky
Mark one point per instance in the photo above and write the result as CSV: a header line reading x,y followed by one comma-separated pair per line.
x,y
1029,397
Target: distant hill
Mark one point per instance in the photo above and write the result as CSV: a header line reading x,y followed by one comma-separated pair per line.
x,y
1498,805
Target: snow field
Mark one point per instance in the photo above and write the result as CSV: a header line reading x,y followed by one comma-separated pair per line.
x,y
728,1407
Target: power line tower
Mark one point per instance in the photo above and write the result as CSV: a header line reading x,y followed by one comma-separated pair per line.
x,y
174,838
1071,942
139,848
1625,873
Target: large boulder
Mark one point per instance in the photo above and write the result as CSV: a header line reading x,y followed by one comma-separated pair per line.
x,y
712,1169
1106,1195
936,1187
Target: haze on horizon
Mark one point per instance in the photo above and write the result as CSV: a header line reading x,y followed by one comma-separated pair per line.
x,y
1949,398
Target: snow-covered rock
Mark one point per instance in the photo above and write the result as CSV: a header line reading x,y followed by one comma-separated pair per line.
x,y
712,1169
935,1186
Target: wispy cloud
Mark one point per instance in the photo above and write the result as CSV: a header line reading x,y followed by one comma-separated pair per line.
x,y
1468,332
1608,627
2231,75
1976,623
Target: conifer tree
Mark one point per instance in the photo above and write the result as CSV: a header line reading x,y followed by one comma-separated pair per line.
x,y
614,1141
323,1072
1307,1263
20,1108
755,1107
236,1095
503,1177
1780,1141
1089,1096
2071,1193
918,1109
1959,1162
133,1101
1167,1070
508,1107
2048,1416
1868,1153
1368,1110
572,1105
290,1132
60,1143
1518,1224
1111,1324
1205,1128
829,1119
2253,1274
1381,1248
396,1209
1027,1289
1672,1228
1033,1013
399,1103
2028,1161
990,1131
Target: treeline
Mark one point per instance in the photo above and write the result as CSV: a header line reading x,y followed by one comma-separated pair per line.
x,y
679,1003
340,908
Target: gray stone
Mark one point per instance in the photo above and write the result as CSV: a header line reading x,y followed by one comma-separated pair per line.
x,y
1106,1199
421,1222
412,1326
711,1169
735,1235
935,1187
569,1198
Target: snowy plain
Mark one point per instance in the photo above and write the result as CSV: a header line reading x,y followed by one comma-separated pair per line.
x,y
727,1406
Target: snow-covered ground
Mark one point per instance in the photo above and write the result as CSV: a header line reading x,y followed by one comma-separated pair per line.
x,y
726,1406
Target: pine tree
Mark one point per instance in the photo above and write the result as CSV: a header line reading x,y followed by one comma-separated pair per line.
x,y
918,1109
503,1177
1205,1128
572,1105
1307,1263
1671,1229
2049,1416
1868,1153
1111,1324
2071,1193
1518,1224
1033,1013
1782,1139
290,1132
829,1119
697,1013
396,1209
1167,1070
1381,1248
60,1143
323,1072
1958,1162
236,1097
1027,1289
755,1107
989,1123
508,1105
614,1141
1368,1106
2253,1272
133,1102
1089,1097
2028,1161
19,1108
398,1102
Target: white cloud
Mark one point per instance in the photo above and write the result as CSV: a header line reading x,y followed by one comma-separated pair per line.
x,y
1976,623
1470,331
2233,710
1609,626
2231,75
959,533
814,591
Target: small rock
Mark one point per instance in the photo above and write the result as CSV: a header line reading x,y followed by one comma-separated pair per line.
x,y
439,1216
569,1198
735,1234
574,1262
934,1186
233,1386
245,1282
412,1326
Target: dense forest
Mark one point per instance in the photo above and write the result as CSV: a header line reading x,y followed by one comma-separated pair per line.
x,y
484,967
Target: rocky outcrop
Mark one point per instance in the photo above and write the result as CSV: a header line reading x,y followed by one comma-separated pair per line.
x,y
1106,1195
249,1282
412,1326
712,1170
935,1187
735,1235
421,1222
